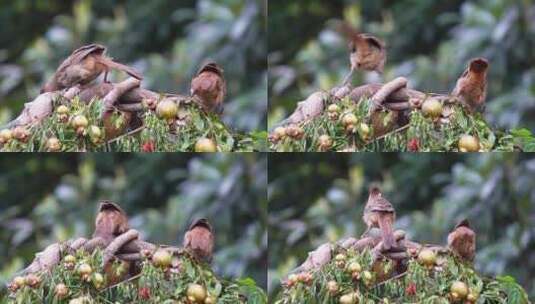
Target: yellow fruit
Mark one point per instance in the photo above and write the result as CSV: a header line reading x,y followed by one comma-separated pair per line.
x,y
210,300
21,133
349,119
460,288
367,276
5,136
79,121
80,300
333,108
53,144
295,131
472,297
162,258
95,132
167,109
332,287
354,267
364,131
196,292
61,291
280,131
19,282
205,145
427,257
350,298
305,277
325,142
62,110
468,143
32,280
340,257
432,108
84,269
98,280
69,259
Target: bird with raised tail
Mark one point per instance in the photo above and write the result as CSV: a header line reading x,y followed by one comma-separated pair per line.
x,y
83,66
379,213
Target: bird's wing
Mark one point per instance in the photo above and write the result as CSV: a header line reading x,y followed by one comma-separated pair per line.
x,y
80,53
382,204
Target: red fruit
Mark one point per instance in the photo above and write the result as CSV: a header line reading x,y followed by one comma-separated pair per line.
x,y
413,145
144,293
148,146
411,289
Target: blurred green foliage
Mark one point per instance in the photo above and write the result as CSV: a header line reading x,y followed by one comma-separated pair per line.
x,y
317,198
46,199
166,40
430,42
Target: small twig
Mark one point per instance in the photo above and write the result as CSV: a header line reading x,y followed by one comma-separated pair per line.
x,y
122,282
94,243
388,134
117,244
126,134
399,276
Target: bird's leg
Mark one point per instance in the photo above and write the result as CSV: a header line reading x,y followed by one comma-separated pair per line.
x,y
365,232
347,79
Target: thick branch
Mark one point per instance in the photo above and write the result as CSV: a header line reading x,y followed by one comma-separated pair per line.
x,y
117,244
380,96
118,90
126,96
396,97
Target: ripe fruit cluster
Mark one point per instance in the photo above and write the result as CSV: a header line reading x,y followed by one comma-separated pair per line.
x,y
353,277
163,278
433,125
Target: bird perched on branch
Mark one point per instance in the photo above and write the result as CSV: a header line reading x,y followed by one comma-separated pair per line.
x,y
83,66
210,88
199,240
471,87
462,241
367,52
379,213
111,221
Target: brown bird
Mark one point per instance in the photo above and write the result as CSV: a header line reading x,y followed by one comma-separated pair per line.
x,y
379,213
367,52
462,241
83,66
210,88
471,87
199,240
111,221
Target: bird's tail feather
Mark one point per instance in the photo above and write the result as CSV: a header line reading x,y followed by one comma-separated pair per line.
x,y
128,70
385,224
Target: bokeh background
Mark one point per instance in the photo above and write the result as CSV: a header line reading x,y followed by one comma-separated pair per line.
x,y
46,199
429,42
316,198
167,40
